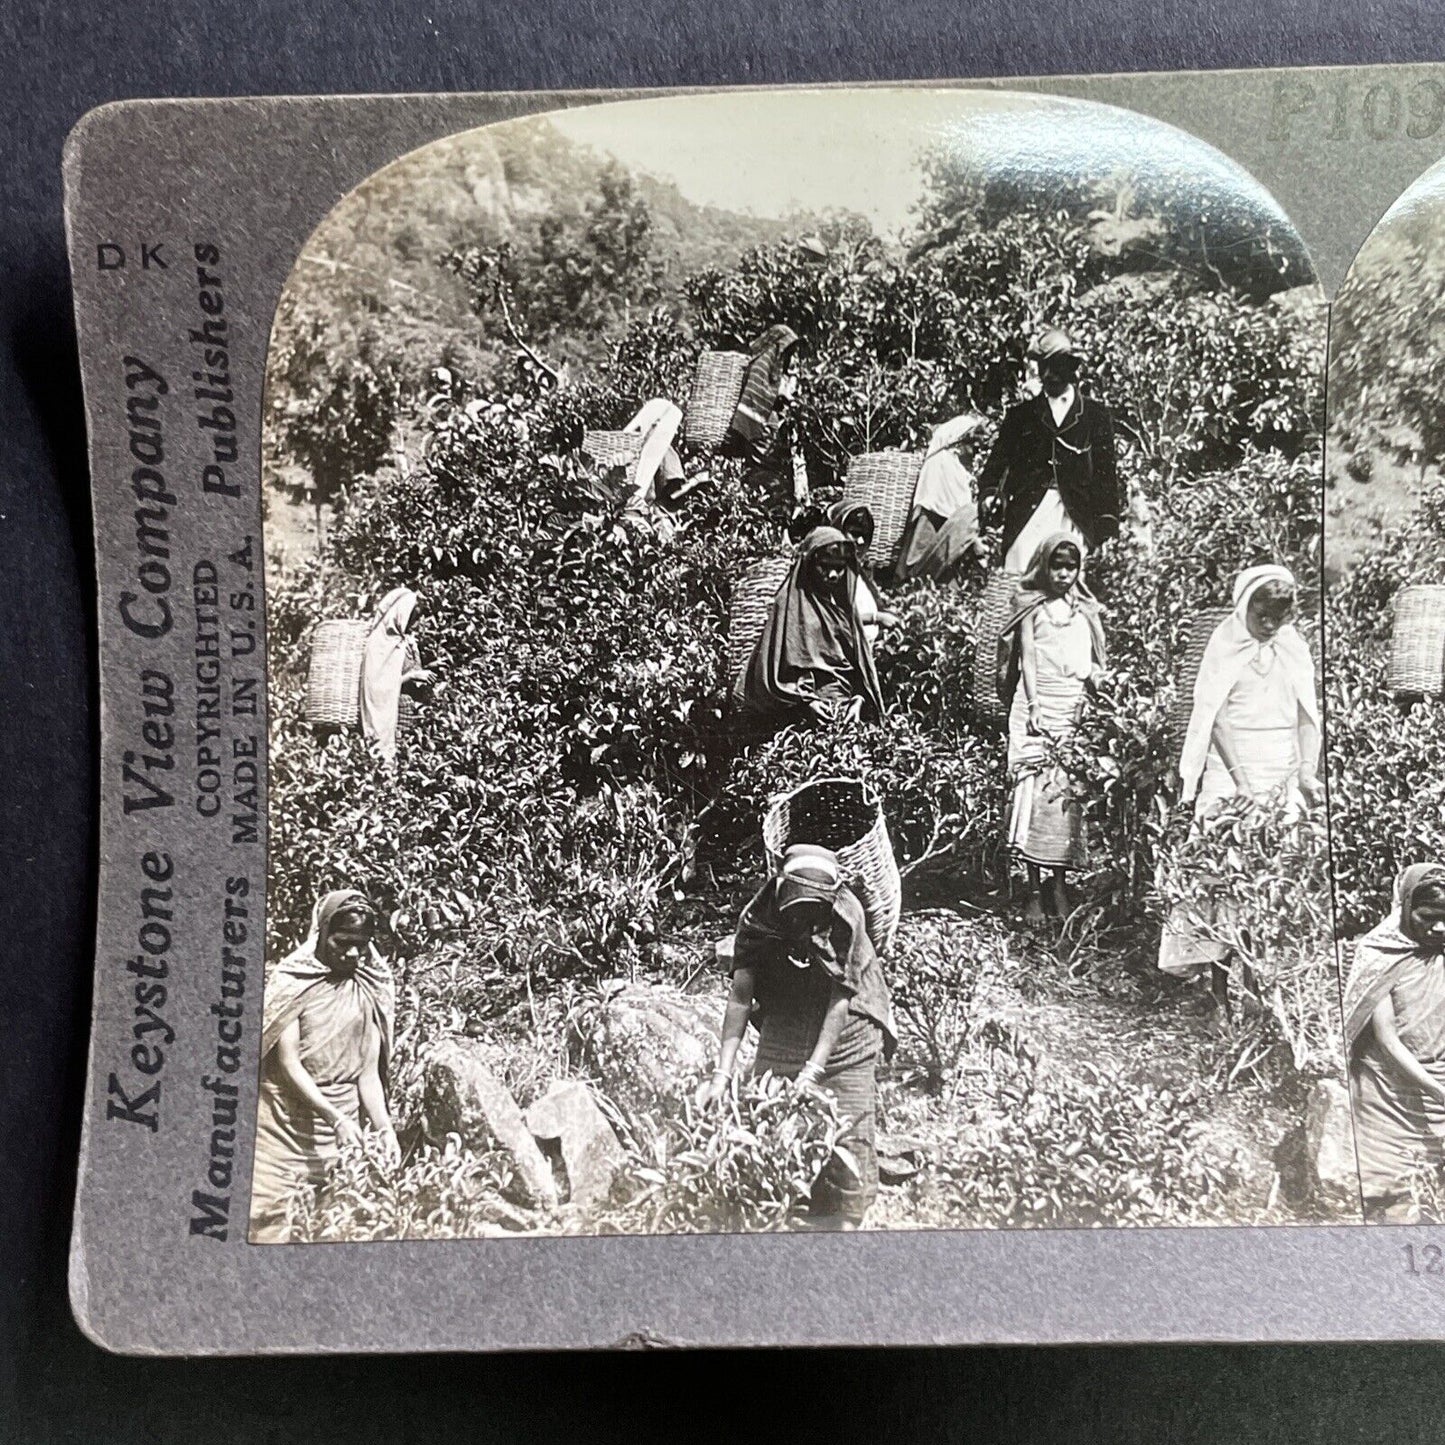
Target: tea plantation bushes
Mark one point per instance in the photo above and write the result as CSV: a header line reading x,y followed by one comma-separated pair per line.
x,y
1387,762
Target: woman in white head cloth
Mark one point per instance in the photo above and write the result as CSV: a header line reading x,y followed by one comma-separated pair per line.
x,y
1254,730
388,663
943,525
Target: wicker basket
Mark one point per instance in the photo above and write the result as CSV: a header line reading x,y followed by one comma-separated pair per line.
x,y
333,683
717,386
842,814
612,448
752,596
1196,639
333,680
884,482
1417,645
993,612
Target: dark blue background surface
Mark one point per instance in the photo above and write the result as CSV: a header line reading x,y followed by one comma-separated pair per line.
x,y
53,1384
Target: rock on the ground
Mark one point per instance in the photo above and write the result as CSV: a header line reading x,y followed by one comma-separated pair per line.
x,y
647,1044
1330,1141
590,1149
462,1096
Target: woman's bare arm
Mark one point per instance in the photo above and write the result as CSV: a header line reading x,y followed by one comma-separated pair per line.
x,y
1309,751
735,1024
288,1057
833,1021
369,1086
1227,746
1388,1036
735,1018
1028,666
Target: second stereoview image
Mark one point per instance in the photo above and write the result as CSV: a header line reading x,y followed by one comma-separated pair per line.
x,y
794,630
1385,546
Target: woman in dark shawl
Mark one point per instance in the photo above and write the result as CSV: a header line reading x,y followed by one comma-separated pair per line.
x,y
330,1009
1395,1037
802,958
812,655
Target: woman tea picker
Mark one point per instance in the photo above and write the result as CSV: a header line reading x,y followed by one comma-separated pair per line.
x,y
942,531
1395,1034
757,431
1051,647
813,657
329,1013
389,664
804,966
855,521
1254,730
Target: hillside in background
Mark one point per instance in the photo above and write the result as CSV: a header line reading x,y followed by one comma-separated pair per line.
x,y
376,261
1387,410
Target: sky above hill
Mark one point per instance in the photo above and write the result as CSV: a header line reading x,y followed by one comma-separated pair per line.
x,y
770,153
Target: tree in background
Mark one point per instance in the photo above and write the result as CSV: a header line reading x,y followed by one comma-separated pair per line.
x,y
1389,336
582,276
337,424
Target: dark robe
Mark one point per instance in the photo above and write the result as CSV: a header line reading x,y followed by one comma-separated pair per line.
x,y
1031,455
793,981
812,645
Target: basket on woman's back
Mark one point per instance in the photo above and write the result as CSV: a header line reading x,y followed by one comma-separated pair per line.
x,y
844,816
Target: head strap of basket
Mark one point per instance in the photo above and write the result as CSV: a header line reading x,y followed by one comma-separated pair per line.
x,y
1417,642
884,482
717,387
994,610
842,816
753,594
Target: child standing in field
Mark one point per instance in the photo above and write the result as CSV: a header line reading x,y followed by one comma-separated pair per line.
x,y
1050,648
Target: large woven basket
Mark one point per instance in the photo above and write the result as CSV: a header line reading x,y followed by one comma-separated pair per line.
x,y
1196,639
612,448
333,680
717,387
885,482
1417,644
752,596
842,814
993,612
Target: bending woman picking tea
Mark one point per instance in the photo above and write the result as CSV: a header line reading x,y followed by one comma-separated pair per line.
x,y
329,1016
814,657
1395,1037
1050,649
390,664
803,959
1254,730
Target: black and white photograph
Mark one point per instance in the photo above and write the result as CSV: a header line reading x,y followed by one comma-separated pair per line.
x,y
795,683
1385,553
